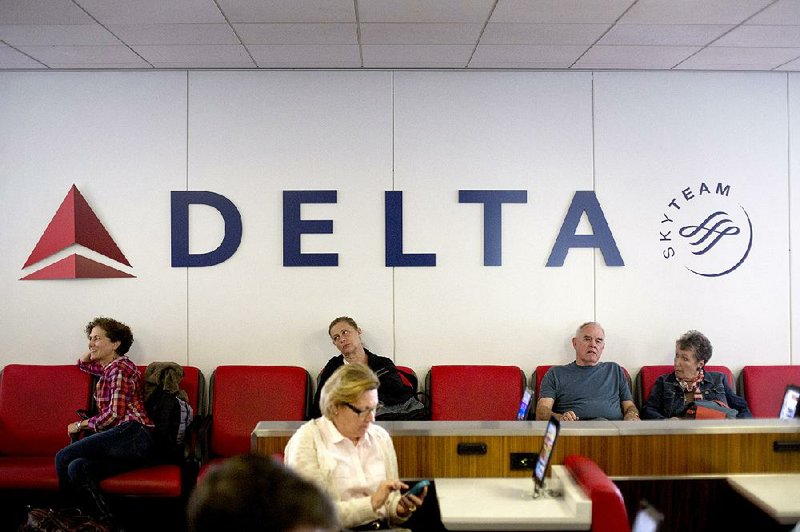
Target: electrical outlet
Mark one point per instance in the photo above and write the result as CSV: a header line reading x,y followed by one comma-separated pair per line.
x,y
523,461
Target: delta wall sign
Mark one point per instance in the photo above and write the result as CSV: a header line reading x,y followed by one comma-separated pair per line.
x,y
76,223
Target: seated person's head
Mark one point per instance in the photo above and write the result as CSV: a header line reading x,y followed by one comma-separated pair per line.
x,y
254,493
692,352
589,342
350,398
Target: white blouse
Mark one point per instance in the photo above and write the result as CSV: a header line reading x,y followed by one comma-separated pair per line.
x,y
349,473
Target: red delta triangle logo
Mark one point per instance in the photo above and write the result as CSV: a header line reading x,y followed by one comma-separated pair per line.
x,y
75,223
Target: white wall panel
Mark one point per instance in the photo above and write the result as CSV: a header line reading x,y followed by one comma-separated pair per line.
x,y
518,131
794,210
252,136
120,138
657,135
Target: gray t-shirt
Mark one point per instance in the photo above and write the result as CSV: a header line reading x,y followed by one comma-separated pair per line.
x,y
589,391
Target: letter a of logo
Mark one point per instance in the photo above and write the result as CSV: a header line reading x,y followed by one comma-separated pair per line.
x,y
75,223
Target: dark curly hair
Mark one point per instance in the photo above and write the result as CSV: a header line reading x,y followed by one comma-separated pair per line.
x,y
697,341
115,330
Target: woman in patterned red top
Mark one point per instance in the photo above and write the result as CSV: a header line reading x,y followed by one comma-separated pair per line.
x,y
120,433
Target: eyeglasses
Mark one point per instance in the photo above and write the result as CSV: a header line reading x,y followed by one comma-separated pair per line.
x,y
365,412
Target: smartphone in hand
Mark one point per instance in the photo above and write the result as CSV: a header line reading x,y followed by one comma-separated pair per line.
x,y
417,488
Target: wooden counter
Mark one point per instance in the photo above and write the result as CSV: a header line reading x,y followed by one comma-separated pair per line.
x,y
428,449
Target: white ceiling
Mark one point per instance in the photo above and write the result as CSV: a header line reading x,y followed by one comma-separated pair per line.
x,y
442,34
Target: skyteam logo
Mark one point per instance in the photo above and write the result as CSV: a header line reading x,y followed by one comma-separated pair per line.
x,y
706,230
75,223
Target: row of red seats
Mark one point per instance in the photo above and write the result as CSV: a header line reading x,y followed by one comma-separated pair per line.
x,y
33,419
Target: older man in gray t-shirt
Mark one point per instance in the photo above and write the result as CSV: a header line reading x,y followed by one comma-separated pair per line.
x,y
586,388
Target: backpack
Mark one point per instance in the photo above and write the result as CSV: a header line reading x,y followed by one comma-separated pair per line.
x,y
172,417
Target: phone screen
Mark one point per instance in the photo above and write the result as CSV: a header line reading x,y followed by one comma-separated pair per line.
x,y
550,436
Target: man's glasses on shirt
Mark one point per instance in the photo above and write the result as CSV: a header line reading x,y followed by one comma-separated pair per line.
x,y
365,412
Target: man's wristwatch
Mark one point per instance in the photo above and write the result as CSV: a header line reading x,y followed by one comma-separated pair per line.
x,y
77,425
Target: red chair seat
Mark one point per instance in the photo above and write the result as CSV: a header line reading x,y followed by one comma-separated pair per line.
x,y
28,473
157,481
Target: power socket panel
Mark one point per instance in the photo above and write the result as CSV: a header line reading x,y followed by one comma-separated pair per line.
x,y
521,461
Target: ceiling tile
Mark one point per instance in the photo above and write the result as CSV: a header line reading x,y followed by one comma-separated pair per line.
x,y
306,56
782,12
142,65
655,57
298,11
196,56
400,33
542,33
425,11
762,37
10,58
692,11
55,34
155,34
426,56
793,66
663,34
42,12
525,56
153,11
87,55
559,11
740,58
337,33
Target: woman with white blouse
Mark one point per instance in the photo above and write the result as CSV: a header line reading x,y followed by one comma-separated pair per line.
x,y
350,457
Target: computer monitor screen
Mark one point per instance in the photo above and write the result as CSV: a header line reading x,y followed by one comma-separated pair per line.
x,y
790,400
525,405
546,451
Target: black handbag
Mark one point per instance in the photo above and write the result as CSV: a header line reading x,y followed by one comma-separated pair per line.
x,y
65,520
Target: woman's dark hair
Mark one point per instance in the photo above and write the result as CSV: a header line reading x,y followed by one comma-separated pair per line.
x,y
116,332
697,341
350,321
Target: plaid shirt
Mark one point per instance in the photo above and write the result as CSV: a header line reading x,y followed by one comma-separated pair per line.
x,y
118,394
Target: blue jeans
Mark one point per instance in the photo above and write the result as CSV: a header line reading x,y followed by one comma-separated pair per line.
x,y
83,464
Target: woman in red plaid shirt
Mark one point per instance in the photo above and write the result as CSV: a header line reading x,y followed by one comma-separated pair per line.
x,y
120,433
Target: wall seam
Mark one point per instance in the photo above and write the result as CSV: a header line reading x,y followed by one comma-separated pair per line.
x,y
394,269
186,187
789,194
594,188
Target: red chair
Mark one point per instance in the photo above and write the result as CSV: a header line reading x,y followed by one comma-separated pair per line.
x,y
165,480
763,387
648,375
241,396
36,405
483,393
608,506
539,372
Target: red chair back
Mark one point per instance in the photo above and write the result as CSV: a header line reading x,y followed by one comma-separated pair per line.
x,y
608,506
484,393
241,396
763,387
36,405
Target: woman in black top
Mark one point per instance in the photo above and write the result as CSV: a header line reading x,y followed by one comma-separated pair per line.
x,y
346,336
